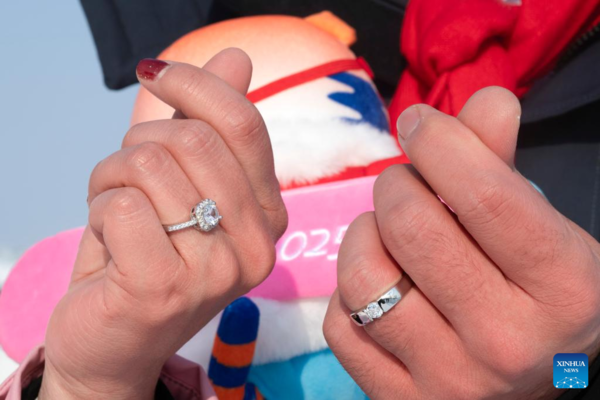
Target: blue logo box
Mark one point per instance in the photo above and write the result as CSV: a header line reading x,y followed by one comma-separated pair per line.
x,y
571,371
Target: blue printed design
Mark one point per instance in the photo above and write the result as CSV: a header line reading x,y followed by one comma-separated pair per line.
x,y
363,99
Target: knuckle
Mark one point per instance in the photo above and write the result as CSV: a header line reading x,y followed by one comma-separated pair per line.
x,y
244,121
128,202
195,138
363,223
387,178
132,134
268,256
488,202
519,363
359,282
454,268
364,219
466,276
221,281
573,300
261,259
147,158
585,312
333,335
280,220
513,355
407,224
233,280
95,175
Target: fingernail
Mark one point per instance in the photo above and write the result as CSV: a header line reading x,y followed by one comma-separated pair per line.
x,y
149,68
408,121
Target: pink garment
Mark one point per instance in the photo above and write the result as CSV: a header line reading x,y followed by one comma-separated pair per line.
x,y
183,378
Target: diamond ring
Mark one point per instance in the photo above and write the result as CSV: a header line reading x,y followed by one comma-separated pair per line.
x,y
377,308
204,217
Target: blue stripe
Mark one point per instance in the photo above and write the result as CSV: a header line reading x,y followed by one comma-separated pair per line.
x,y
239,323
227,377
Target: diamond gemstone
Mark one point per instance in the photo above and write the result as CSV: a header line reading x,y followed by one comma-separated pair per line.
x,y
207,215
211,215
374,311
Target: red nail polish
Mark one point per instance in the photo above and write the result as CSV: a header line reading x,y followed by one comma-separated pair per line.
x,y
149,68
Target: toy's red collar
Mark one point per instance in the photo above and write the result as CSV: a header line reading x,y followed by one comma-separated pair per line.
x,y
311,74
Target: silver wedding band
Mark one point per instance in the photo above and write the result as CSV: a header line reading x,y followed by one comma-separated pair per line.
x,y
383,304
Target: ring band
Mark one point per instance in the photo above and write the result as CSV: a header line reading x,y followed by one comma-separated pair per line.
x,y
383,304
204,217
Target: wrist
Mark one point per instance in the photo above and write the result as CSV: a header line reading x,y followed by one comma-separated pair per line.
x,y
56,386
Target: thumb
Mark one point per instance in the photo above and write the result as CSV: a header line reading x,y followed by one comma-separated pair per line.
x,y
493,113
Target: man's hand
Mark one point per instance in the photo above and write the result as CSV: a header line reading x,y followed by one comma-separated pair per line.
x,y
499,287
137,293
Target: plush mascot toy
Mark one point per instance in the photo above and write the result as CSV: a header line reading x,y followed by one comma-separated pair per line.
x,y
330,136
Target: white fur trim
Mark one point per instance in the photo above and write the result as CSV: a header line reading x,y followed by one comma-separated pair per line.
x,y
289,329
7,366
286,330
306,150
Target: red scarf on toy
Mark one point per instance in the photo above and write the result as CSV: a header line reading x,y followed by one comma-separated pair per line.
x,y
454,48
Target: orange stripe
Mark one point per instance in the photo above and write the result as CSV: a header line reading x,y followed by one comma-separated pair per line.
x,y
229,393
233,355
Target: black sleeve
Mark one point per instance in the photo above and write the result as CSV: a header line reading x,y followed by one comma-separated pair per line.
x,y
32,391
127,31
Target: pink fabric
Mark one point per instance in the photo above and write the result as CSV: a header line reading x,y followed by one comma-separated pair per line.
x,y
183,378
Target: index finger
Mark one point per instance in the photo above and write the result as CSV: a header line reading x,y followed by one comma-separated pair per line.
x,y
201,95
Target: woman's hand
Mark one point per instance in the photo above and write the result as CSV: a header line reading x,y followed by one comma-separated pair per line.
x,y
499,288
137,293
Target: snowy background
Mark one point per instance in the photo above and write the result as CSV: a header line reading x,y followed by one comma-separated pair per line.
x,y
57,121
